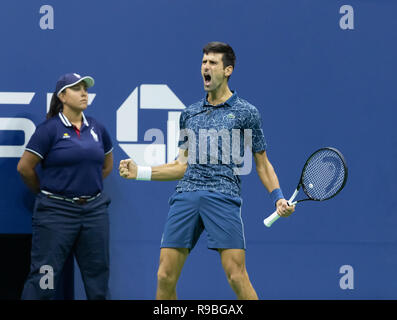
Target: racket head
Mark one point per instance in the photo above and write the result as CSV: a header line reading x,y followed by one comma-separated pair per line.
x,y
324,174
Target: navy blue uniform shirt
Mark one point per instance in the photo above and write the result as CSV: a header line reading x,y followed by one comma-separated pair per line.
x,y
211,133
72,162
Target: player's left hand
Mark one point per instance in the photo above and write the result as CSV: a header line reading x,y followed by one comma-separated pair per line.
x,y
283,209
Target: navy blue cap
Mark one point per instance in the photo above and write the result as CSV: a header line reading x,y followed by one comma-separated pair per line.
x,y
70,79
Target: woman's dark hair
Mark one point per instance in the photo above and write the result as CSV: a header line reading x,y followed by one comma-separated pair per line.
x,y
56,106
228,58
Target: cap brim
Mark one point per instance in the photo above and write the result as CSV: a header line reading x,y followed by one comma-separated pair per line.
x,y
89,81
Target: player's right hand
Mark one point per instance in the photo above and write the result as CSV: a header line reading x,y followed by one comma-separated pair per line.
x,y
283,209
128,169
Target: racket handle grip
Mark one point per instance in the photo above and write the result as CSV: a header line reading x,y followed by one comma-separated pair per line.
x,y
271,219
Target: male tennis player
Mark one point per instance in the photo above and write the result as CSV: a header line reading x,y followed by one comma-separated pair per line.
x,y
208,194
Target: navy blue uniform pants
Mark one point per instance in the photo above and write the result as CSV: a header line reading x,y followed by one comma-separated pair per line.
x,y
59,228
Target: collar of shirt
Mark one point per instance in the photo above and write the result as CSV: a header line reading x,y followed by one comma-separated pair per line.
x,y
229,102
67,123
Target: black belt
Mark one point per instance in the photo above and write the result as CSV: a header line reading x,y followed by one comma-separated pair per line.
x,y
76,200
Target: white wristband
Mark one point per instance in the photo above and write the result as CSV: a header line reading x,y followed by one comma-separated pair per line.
x,y
144,173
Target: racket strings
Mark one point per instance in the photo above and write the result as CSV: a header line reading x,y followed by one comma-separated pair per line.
x,y
324,175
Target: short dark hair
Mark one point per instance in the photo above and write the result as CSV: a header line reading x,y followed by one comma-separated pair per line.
x,y
228,58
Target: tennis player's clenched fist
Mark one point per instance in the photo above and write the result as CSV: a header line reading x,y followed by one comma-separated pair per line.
x,y
128,169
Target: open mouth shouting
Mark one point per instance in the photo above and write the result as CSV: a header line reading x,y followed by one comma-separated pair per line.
x,y
207,79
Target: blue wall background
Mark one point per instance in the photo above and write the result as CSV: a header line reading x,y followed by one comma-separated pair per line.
x,y
314,84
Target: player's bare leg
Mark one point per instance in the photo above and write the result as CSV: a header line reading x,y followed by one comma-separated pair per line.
x,y
170,267
233,262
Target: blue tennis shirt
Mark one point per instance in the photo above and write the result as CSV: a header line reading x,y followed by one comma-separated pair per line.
x,y
216,137
71,163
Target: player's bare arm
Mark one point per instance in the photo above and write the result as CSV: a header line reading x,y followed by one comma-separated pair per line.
x,y
167,172
269,179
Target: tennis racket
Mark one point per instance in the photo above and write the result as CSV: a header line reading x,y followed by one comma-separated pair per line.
x,y
323,176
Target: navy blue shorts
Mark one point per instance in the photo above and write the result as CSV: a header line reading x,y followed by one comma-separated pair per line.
x,y
192,212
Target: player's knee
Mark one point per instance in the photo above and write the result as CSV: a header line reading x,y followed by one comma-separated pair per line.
x,y
165,278
236,277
